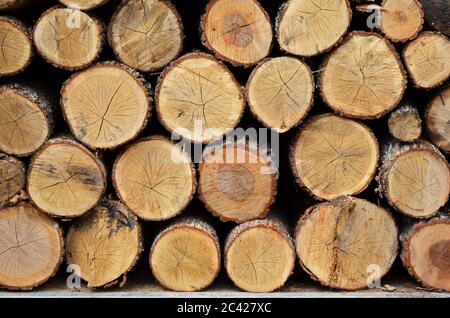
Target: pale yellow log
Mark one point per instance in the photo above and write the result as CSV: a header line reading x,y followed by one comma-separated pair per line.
x,y
405,124
401,20
83,4
437,119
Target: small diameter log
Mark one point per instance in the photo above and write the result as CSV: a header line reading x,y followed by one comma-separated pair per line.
x,y
16,46
437,14
154,178
259,255
12,177
198,98
364,77
237,182
307,27
334,156
31,247
415,179
106,105
426,253
105,244
346,243
405,124
185,256
238,31
146,34
437,119
26,120
83,4
68,38
427,60
65,179
280,92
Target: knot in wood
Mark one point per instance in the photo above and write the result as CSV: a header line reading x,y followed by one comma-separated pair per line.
x,y
439,254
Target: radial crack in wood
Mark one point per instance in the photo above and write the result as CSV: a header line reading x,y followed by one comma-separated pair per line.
x,y
12,177
437,120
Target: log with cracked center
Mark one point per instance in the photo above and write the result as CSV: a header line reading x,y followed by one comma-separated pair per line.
x,y
437,120
237,183
334,156
238,31
16,46
437,14
427,59
280,92
65,179
12,177
26,120
83,4
364,77
154,178
105,244
259,255
146,34
185,256
310,27
31,247
198,98
405,124
106,105
415,179
346,243
68,38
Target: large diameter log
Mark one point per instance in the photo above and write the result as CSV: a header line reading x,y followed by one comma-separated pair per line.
x,y
154,178
198,98
307,27
415,179
259,255
106,105
26,120
343,242
238,31
65,179
427,60
405,124
146,34
437,119
364,77
67,38
185,256
280,92
237,183
105,244
334,156
437,14
83,4
12,177
31,247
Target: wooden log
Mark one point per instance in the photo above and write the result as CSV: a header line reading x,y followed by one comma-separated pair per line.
x,y
31,247
334,156
237,182
363,78
65,179
154,178
237,31
437,117
280,92
414,178
106,105
308,28
185,256
344,242
405,124
146,34
259,255
26,119
12,178
437,14
105,244
83,4
16,46
427,60
198,98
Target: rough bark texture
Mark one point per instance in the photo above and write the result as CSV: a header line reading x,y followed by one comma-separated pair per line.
x,y
12,178
405,124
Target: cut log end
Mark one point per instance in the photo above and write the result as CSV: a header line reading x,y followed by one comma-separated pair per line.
x,y
280,92
198,98
334,156
154,178
346,243
32,247
437,119
105,244
146,35
12,177
307,28
65,179
348,84
401,20
238,31
106,105
405,123
83,4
